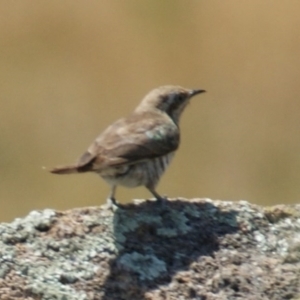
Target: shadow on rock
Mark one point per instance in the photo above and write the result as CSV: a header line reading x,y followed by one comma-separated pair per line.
x,y
156,242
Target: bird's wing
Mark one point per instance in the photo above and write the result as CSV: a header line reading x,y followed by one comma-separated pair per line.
x,y
130,140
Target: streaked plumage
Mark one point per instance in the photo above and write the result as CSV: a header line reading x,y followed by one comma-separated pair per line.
x,y
136,150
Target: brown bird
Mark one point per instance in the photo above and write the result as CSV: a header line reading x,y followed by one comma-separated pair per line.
x,y
136,150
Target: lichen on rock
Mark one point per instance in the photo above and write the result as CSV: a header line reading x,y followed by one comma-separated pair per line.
x,y
184,249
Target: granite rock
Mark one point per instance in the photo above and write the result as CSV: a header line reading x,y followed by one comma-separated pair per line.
x,y
184,249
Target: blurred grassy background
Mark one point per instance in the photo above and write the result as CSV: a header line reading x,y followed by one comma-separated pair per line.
x,y
70,68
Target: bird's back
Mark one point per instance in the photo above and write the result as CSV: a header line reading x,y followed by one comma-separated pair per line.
x,y
140,136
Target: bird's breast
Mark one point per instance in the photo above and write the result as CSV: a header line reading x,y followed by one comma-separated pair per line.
x,y
146,172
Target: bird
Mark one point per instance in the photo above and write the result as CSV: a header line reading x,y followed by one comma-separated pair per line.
x,y
136,150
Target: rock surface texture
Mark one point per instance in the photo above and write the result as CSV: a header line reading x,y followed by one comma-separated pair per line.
x,y
184,249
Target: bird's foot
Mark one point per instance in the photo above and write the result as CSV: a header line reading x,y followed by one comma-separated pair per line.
x,y
112,204
161,200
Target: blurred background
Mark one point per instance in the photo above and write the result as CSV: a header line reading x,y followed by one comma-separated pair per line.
x,y
70,68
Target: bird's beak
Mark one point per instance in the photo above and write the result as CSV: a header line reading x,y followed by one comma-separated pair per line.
x,y
196,92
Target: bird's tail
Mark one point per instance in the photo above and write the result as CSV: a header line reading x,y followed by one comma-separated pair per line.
x,y
65,170
85,164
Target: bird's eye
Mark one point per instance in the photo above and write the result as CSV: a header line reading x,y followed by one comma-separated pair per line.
x,y
179,97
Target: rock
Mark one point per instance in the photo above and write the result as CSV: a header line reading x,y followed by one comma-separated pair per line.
x,y
184,249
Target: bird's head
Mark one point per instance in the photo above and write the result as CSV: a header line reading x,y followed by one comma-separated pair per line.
x,y
169,99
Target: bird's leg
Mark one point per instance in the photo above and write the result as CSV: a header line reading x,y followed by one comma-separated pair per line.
x,y
111,200
159,198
